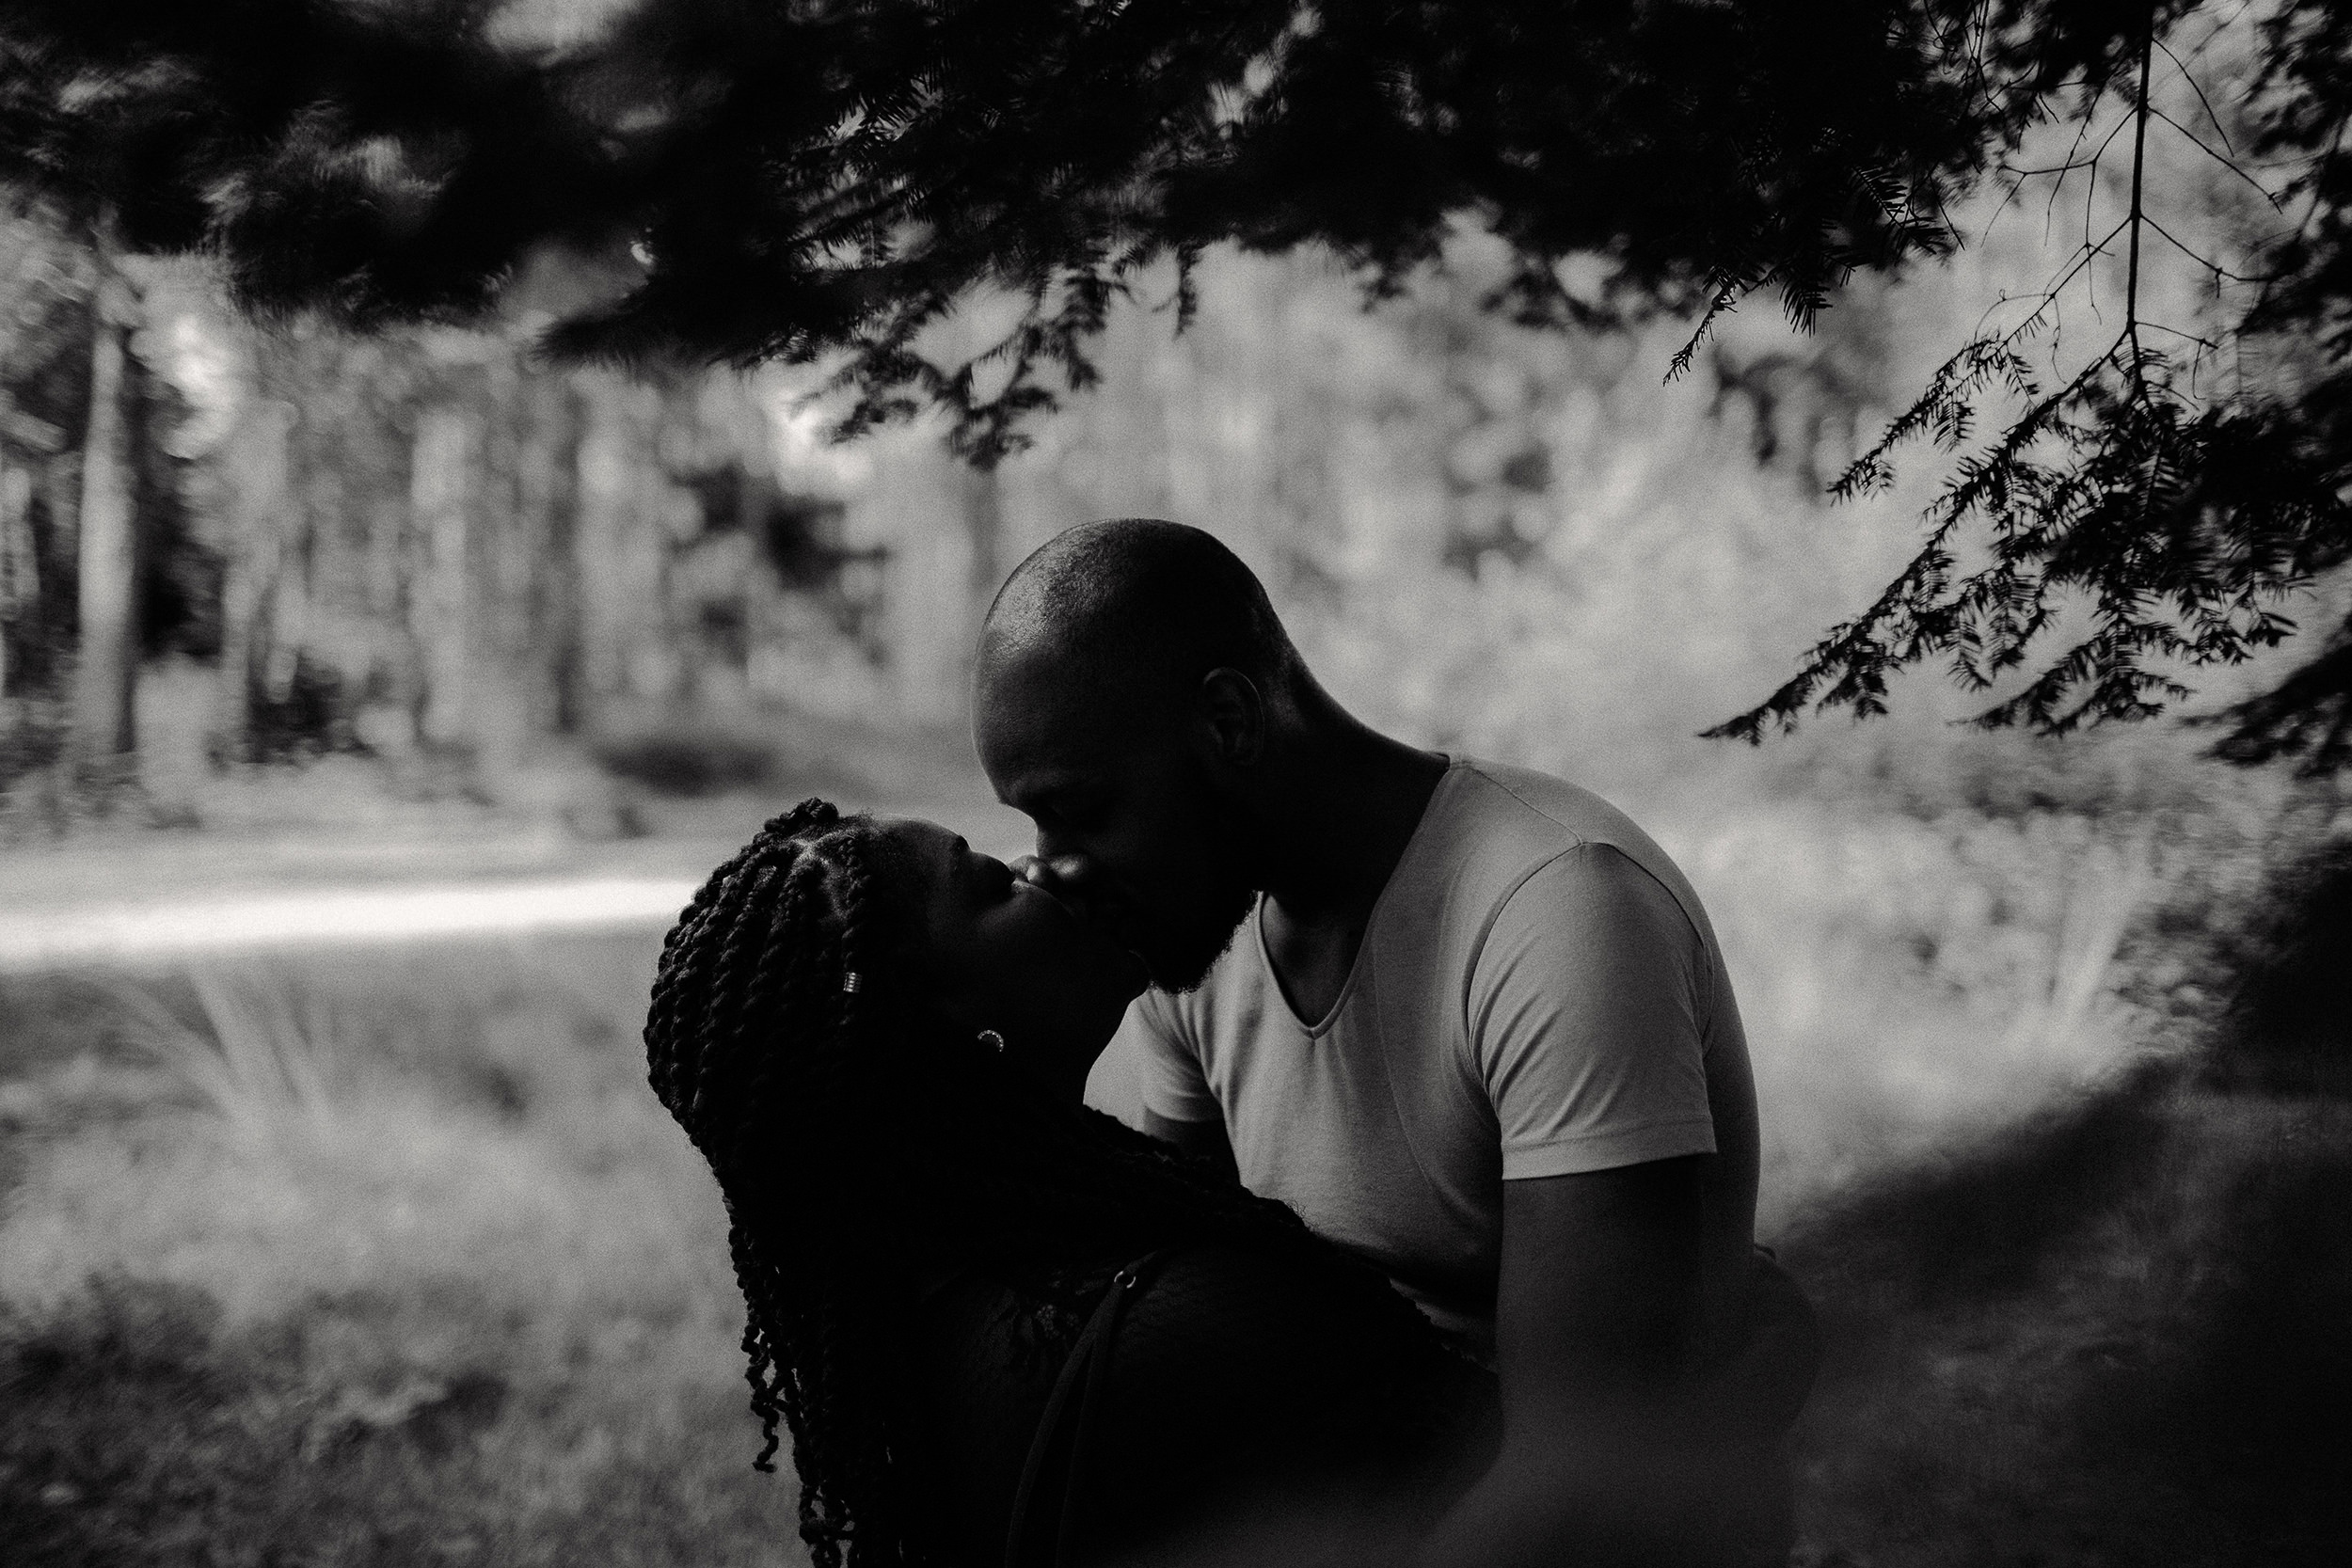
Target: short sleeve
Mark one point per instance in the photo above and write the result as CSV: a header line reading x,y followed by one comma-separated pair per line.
x,y
1169,1079
1587,1009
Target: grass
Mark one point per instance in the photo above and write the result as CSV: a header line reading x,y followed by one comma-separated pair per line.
x,y
431,1423
260,1059
388,1258
372,1261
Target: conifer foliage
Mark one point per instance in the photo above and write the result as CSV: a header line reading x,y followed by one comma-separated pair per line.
x,y
2167,493
824,180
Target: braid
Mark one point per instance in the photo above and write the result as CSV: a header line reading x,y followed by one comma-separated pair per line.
x,y
779,1072
760,1355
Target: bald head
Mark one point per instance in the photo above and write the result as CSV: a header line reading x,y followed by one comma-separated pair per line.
x,y
1130,673
1133,612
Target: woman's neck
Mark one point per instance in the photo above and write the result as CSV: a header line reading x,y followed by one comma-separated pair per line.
x,y
1061,1078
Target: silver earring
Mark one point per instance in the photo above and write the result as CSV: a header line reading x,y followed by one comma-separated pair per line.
x,y
994,1041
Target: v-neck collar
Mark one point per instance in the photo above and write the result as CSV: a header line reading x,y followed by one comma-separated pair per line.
x,y
1371,922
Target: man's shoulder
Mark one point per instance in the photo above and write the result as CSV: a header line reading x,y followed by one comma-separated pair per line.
x,y
1498,824
1512,823
1546,812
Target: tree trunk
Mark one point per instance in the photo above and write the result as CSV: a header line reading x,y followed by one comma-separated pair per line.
x,y
984,524
618,543
19,584
254,474
439,485
550,501
107,662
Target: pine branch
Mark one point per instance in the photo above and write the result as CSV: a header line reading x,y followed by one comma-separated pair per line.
x,y
2138,209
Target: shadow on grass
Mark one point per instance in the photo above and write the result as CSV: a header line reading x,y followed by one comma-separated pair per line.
x,y
2116,1336
1980,1223
2289,1024
2245,1437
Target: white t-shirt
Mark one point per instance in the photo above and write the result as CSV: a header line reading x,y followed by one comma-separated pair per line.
x,y
1538,993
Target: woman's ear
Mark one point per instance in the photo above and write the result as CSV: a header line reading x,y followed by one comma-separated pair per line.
x,y
1233,711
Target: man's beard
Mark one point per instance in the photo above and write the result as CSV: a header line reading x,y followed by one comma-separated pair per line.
x,y
1185,959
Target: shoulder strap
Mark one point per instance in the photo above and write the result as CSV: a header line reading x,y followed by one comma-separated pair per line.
x,y
1085,1373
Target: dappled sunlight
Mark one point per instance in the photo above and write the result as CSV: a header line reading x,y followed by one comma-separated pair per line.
x,y
390,1187
314,1160
1908,983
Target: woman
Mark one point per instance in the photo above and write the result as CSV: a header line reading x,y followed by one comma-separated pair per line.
x,y
1000,1328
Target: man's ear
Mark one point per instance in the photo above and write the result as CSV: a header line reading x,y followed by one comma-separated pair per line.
x,y
1235,713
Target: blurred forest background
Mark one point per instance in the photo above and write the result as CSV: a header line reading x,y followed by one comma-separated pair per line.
x,y
343,1253
432,549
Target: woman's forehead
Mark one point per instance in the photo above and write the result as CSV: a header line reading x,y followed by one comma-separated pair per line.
x,y
928,850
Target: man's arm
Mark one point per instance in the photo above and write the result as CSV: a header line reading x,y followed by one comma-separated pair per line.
x,y
1206,1139
1596,1317
1585,1009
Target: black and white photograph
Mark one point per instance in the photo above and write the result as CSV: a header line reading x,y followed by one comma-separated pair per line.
x,y
1175,784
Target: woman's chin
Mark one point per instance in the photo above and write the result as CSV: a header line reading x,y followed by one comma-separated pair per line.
x,y
1118,967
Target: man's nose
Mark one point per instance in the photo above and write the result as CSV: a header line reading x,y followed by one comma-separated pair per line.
x,y
1055,873
1072,878
1074,871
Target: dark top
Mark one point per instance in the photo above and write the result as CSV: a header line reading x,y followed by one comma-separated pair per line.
x,y
1240,1382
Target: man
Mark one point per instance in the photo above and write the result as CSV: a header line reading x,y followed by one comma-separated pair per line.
x,y
1475,1027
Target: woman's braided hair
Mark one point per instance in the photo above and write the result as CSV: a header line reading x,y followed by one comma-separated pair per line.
x,y
856,1133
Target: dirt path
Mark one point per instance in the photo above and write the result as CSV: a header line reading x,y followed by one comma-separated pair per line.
x,y
244,921
142,897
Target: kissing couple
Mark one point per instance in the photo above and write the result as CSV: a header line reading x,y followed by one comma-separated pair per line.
x,y
1435,1247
